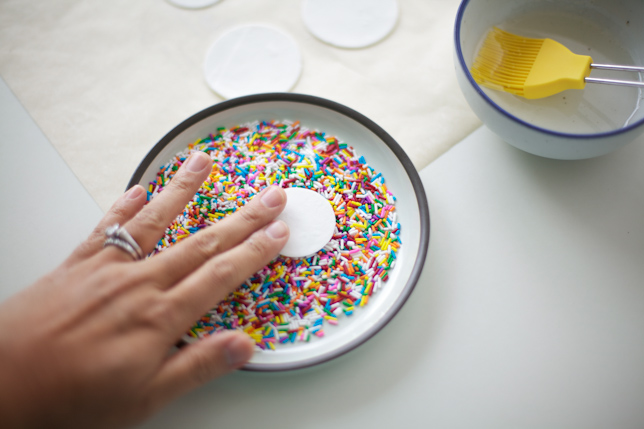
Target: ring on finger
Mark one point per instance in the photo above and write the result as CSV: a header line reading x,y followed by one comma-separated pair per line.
x,y
119,237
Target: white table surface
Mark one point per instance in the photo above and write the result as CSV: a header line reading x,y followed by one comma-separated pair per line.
x,y
44,210
529,312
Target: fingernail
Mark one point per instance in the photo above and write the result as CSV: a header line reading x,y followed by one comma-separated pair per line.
x,y
197,162
134,192
239,350
277,229
272,197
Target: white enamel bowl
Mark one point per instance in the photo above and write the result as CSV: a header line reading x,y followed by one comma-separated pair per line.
x,y
574,124
380,151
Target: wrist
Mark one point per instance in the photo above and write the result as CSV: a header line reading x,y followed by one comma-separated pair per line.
x,y
14,398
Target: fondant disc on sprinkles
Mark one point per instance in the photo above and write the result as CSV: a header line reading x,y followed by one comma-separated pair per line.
x,y
292,300
310,219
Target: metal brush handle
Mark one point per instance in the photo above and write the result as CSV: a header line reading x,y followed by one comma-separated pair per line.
x,y
614,81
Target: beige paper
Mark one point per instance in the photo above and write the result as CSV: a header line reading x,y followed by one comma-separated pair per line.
x,y
105,80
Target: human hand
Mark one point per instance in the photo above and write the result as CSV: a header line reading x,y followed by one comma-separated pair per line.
x,y
89,345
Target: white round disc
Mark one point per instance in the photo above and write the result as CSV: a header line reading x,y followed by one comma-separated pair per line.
x,y
193,4
350,23
311,222
252,59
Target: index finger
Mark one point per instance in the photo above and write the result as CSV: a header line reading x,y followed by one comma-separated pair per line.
x,y
183,258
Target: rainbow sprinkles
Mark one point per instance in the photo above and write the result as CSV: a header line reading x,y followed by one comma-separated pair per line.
x,y
290,299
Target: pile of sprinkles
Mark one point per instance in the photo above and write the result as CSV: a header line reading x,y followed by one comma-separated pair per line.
x,y
291,299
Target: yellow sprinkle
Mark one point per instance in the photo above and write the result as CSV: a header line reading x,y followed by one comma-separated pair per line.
x,y
386,245
368,289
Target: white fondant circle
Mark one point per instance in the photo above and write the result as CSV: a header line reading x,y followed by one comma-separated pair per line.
x,y
252,59
311,222
350,24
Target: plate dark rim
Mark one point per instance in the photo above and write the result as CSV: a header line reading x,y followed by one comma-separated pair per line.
x,y
416,182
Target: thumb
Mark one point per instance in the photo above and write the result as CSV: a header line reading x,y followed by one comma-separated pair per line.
x,y
198,363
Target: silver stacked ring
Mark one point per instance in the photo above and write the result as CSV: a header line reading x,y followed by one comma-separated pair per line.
x,y
119,237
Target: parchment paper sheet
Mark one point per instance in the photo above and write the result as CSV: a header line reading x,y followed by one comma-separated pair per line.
x,y
105,80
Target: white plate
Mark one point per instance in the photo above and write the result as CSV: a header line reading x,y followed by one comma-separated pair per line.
x,y
380,151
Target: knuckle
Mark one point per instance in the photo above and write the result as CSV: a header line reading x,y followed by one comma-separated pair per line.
x,y
119,211
203,368
256,246
97,233
252,215
115,283
115,280
150,218
87,247
91,244
156,313
225,273
183,183
206,245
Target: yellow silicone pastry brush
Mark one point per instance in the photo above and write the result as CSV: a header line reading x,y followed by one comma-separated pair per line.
x,y
536,68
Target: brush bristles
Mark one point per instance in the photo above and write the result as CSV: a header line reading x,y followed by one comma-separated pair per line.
x,y
505,60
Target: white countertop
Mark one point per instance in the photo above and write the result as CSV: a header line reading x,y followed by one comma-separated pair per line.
x,y
529,312
45,210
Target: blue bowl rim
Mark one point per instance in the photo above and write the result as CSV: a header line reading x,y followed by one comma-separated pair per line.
x,y
408,166
461,60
